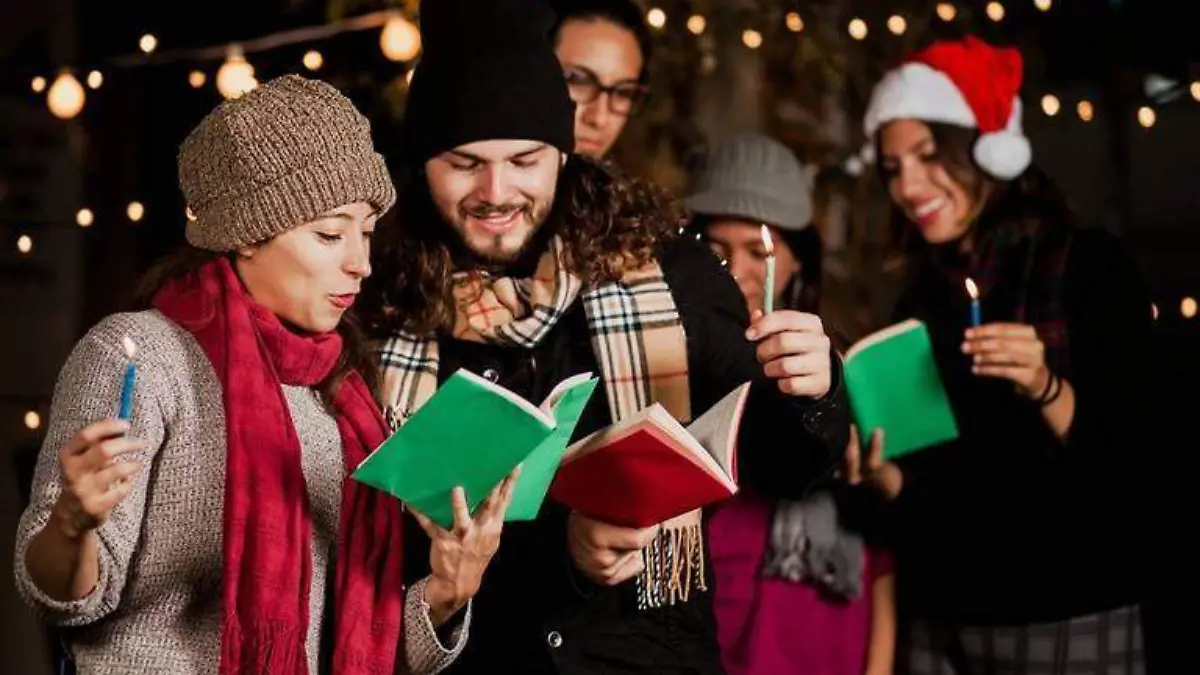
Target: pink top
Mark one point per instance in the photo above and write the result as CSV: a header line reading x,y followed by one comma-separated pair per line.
x,y
776,626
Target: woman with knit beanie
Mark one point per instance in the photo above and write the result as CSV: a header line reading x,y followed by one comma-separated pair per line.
x,y
1019,545
797,589
211,527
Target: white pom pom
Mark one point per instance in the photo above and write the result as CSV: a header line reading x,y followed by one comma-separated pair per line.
x,y
1003,154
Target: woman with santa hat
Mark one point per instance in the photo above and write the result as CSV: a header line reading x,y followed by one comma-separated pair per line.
x,y
1018,544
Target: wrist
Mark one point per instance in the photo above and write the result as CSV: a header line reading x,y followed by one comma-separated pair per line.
x,y
1040,388
64,525
442,600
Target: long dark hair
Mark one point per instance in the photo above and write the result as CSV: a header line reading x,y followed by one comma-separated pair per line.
x,y
1028,206
357,353
609,223
623,13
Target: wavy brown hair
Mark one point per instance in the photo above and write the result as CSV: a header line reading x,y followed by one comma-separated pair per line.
x,y
610,223
356,350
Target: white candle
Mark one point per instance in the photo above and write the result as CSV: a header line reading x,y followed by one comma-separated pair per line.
x,y
769,280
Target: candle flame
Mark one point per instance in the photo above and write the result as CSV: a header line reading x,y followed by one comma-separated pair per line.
x,y
972,289
130,347
766,240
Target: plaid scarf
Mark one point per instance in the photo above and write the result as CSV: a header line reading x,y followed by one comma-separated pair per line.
x,y
638,340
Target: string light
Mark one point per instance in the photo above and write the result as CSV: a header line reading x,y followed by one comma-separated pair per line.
x,y
995,11
696,24
1043,5
1146,116
196,78
1196,90
656,18
135,211
38,84
946,11
400,40
858,29
32,420
1085,110
897,24
794,22
752,38
236,75
1154,311
95,79
148,43
313,59
1051,105
25,244
66,96
84,218
1188,307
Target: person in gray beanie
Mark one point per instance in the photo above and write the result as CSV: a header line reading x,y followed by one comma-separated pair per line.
x,y
190,510
784,564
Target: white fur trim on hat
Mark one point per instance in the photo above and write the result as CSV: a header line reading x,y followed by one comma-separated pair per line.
x,y
918,91
1005,154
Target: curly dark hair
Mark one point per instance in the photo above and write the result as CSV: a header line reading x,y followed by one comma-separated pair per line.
x,y
610,223
357,353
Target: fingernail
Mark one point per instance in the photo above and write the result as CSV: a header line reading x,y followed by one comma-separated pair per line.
x,y
966,347
751,334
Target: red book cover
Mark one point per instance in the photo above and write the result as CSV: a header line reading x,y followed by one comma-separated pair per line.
x,y
649,468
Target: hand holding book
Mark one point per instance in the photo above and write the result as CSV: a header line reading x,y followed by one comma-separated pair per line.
x,y
459,556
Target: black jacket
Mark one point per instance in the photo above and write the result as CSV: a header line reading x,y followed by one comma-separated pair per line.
x,y
535,612
1007,524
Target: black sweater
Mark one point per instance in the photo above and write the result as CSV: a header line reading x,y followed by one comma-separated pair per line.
x,y
1008,524
532,590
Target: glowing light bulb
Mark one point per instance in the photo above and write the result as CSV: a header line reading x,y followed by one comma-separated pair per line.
x,y
66,96
400,40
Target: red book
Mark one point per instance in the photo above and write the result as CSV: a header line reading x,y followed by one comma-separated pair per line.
x,y
649,468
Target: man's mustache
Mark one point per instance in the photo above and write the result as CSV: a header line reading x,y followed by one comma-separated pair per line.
x,y
486,210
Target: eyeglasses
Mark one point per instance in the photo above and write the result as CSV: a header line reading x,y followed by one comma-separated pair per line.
x,y
624,98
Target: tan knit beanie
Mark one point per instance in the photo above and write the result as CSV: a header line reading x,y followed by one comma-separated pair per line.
x,y
275,158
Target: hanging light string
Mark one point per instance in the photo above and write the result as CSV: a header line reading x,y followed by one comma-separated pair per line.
x,y
399,39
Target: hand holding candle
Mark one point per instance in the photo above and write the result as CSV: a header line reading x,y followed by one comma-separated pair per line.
x,y
126,409
769,279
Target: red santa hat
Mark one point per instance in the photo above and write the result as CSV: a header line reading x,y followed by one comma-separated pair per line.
x,y
968,83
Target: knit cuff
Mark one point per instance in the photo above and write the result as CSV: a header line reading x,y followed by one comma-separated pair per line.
x,y
57,612
424,651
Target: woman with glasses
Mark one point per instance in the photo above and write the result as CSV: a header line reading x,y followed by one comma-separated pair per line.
x,y
604,48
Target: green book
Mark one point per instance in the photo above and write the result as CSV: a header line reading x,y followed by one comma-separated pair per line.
x,y
473,433
894,384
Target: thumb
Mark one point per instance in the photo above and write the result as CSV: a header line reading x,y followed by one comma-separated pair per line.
x,y
853,458
875,451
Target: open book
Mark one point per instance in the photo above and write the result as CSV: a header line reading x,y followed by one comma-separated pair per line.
x,y
473,433
649,468
894,384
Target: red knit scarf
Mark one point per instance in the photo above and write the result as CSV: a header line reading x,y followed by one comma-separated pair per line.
x,y
267,568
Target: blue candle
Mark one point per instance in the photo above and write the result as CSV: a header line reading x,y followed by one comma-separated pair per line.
x,y
126,411
976,313
769,279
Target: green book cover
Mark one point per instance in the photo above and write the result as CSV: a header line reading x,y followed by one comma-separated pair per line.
x,y
473,433
894,384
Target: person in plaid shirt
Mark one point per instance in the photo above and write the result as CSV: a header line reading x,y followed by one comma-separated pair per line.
x,y
527,264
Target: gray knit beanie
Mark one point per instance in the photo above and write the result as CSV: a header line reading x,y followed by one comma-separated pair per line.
x,y
754,177
274,158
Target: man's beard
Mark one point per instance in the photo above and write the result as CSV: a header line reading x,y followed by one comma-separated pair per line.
x,y
491,252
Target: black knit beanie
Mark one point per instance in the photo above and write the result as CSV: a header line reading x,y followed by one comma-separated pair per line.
x,y
488,72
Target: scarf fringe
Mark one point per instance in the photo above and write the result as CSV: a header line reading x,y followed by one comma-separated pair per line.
x,y
267,648
674,567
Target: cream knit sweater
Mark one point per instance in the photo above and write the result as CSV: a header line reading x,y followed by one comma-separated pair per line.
x,y
157,606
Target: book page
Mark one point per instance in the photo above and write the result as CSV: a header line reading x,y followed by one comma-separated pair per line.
x,y
881,335
717,429
561,389
545,417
